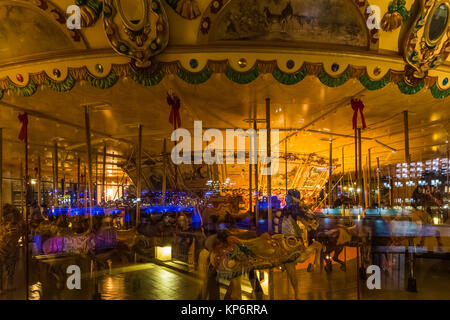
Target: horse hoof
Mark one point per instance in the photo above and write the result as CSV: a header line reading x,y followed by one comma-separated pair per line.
x,y
310,268
328,268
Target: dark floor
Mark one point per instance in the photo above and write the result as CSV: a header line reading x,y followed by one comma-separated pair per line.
x,y
155,282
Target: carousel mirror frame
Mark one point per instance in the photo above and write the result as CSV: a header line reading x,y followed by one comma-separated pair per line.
x,y
436,6
130,25
141,41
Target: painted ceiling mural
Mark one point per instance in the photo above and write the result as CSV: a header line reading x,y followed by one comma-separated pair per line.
x,y
290,20
28,32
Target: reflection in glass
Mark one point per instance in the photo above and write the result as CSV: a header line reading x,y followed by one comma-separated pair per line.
x,y
438,22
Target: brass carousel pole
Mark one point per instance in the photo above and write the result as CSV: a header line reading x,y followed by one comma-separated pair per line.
x,y
78,182
27,212
358,197
361,181
378,184
412,285
55,173
164,182
342,181
96,179
330,172
286,165
369,179
139,173
84,189
390,186
103,197
89,151
269,191
250,168
269,176
448,169
1,174
39,179
255,145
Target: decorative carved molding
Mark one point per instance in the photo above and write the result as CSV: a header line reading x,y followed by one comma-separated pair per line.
x,y
396,15
57,14
141,34
188,9
90,11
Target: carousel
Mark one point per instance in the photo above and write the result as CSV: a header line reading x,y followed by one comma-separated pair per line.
x,y
115,118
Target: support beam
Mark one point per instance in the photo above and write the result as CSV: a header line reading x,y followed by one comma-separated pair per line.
x,y
41,115
342,103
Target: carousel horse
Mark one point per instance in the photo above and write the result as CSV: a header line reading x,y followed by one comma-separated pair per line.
x,y
334,241
56,239
220,209
413,228
307,227
229,257
12,228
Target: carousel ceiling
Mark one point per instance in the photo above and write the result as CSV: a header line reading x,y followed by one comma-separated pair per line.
x,y
221,103
223,58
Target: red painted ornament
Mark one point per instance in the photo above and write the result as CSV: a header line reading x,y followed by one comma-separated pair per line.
x,y
19,77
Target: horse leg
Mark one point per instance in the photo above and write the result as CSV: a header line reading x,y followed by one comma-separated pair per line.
x,y
234,291
292,275
213,290
327,258
256,286
337,252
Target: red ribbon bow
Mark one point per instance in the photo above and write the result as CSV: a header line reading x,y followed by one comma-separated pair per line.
x,y
175,103
23,118
358,105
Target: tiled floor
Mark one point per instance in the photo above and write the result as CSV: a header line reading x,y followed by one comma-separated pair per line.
x,y
155,282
